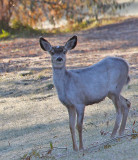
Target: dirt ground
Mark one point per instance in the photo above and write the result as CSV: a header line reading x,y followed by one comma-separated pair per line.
x,y
31,116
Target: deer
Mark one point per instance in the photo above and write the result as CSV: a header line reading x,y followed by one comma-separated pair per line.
x,y
78,88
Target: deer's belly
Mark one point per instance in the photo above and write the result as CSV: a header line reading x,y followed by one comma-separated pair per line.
x,y
89,98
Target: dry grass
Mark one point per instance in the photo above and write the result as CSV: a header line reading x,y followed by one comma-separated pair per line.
x,y
31,116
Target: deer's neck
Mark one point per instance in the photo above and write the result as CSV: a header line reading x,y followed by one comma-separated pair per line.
x,y
59,78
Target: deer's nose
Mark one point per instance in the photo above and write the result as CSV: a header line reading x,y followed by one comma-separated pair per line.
x,y
59,59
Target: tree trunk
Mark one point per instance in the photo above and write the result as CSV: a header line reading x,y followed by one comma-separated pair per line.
x,y
5,14
4,24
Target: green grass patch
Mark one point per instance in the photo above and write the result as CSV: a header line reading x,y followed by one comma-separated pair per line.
x,y
4,34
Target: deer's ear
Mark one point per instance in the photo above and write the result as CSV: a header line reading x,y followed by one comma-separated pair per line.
x,y
71,43
45,45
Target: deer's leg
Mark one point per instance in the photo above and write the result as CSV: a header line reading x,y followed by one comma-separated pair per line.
x,y
117,105
72,120
80,116
125,105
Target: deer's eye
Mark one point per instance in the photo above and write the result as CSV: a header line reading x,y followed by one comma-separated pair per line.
x,y
64,52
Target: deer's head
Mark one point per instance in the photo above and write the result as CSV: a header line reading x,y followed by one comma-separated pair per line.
x,y
58,53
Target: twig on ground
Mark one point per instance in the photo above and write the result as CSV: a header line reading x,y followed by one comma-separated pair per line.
x,y
110,141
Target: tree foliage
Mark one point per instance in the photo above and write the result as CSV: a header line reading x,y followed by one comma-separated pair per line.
x,y
31,12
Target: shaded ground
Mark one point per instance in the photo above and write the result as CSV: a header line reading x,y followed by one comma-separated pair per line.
x,y
31,115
